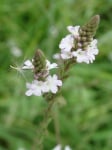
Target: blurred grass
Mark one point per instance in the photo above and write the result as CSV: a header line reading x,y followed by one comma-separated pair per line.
x,y
85,119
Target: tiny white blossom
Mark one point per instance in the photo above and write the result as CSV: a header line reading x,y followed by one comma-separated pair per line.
x,y
74,30
67,43
59,147
50,66
81,56
28,65
66,54
34,88
37,88
92,48
88,55
52,83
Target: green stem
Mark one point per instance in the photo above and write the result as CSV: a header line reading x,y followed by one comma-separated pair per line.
x,y
40,133
51,98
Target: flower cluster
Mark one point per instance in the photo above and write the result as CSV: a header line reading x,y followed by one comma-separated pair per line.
x,y
39,87
71,47
88,55
59,147
78,46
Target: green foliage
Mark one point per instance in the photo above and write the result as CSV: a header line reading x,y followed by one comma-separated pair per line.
x,y
84,117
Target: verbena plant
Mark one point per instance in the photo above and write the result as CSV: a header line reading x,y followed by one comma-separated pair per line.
x,y
79,46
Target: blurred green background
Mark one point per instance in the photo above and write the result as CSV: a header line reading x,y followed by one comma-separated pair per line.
x,y
84,118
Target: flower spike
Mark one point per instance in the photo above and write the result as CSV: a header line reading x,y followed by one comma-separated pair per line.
x,y
39,62
87,32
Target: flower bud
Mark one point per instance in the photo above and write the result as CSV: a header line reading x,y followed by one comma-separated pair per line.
x,y
39,62
88,31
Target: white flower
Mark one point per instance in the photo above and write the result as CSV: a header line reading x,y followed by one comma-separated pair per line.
x,y
66,54
67,43
59,147
36,88
88,55
81,56
52,83
74,30
63,55
50,66
92,48
28,65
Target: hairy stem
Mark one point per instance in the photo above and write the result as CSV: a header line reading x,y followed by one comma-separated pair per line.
x,y
41,132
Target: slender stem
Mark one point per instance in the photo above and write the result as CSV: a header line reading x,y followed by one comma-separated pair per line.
x,y
51,98
56,125
67,65
40,133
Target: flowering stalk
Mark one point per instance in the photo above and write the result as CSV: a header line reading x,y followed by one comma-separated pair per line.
x,y
39,65
38,141
77,47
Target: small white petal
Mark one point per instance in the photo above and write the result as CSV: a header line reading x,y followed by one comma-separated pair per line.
x,y
37,92
88,55
54,89
52,83
28,65
59,83
28,93
53,65
74,30
55,77
67,43
50,66
66,55
45,87
81,56
94,42
59,147
34,88
96,51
